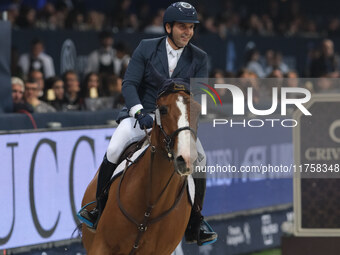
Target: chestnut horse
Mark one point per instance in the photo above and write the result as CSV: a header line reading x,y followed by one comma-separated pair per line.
x,y
148,206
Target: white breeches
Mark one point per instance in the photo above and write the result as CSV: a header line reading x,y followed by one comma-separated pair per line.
x,y
126,134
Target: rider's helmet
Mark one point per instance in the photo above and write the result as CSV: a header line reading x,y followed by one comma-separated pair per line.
x,y
180,12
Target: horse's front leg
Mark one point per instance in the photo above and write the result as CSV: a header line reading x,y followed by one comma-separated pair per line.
x,y
100,247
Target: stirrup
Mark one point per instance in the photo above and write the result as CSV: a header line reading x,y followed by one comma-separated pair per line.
x,y
210,230
81,217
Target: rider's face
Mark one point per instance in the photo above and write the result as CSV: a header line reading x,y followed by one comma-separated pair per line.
x,y
181,32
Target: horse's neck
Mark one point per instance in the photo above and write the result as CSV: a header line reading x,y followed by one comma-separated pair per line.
x,y
161,171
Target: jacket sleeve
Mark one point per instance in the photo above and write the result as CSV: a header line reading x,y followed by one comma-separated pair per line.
x,y
133,77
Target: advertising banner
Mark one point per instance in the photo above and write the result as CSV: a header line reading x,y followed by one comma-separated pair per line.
x,y
42,181
246,146
239,235
316,186
44,175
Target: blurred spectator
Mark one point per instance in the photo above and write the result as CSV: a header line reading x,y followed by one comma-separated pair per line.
x,y
269,59
255,26
242,73
95,20
112,85
15,68
326,64
18,89
292,79
230,17
76,21
268,26
122,59
27,17
324,85
56,93
103,59
72,91
334,27
156,26
124,18
217,73
276,63
276,73
61,14
92,87
48,18
252,63
13,13
291,74
92,93
39,78
309,28
219,76
210,25
293,27
228,22
37,60
31,97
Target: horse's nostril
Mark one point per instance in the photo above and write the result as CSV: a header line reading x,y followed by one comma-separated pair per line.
x,y
180,160
181,166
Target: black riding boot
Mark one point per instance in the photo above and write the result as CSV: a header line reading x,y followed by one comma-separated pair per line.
x,y
105,173
198,231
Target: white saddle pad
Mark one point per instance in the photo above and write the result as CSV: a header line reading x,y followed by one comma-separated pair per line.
x,y
120,168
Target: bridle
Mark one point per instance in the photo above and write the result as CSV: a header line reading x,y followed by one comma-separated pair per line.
x,y
169,144
170,139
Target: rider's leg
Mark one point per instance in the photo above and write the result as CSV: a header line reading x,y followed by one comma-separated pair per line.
x,y
197,230
124,135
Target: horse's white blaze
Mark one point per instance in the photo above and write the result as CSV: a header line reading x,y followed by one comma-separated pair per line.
x,y
186,143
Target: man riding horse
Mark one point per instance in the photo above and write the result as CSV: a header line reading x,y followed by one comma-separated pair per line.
x,y
172,56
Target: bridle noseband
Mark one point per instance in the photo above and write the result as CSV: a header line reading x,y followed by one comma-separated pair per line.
x,y
170,139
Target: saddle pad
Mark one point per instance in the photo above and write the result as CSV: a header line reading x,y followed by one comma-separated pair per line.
x,y
120,168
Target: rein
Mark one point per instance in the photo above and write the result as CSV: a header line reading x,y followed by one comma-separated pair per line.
x,y
169,143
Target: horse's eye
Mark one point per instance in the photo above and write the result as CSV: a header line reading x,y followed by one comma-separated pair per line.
x,y
163,110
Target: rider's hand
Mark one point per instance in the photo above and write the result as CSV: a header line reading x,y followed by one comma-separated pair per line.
x,y
144,119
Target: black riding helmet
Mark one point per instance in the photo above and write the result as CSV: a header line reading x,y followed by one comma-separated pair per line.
x,y
179,12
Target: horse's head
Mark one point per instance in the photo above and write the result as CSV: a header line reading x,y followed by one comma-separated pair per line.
x,y
176,124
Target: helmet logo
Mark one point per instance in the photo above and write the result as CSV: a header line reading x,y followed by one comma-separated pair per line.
x,y
185,5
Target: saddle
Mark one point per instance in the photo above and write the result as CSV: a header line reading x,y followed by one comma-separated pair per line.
x,y
126,154
131,149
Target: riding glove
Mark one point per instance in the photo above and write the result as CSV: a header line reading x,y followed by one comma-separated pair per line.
x,y
144,119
